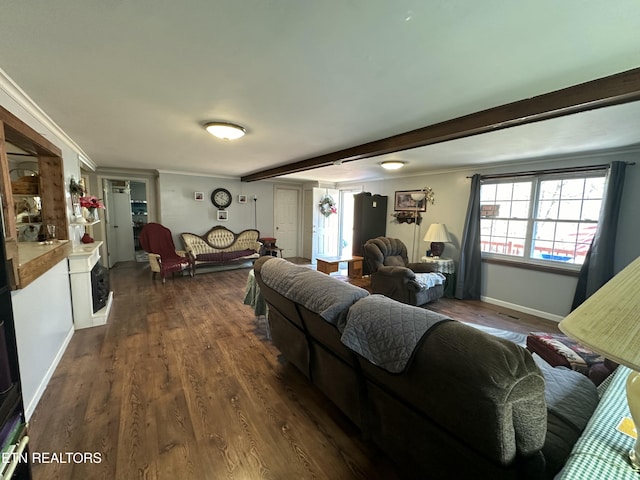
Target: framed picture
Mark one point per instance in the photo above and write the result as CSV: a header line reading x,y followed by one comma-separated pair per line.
x,y
242,199
403,201
223,216
198,196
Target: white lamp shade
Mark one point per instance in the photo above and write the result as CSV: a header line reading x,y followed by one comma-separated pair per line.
x,y
437,232
225,131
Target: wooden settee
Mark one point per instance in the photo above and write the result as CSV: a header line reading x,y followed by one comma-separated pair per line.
x,y
221,246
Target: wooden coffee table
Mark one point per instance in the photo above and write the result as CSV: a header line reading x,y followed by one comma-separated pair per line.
x,y
330,264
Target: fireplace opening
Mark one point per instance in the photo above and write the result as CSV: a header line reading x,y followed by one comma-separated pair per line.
x,y
99,286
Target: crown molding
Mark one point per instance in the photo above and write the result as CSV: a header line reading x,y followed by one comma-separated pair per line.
x,y
13,90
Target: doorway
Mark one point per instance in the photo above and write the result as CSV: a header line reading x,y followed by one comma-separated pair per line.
x,y
286,220
119,221
346,221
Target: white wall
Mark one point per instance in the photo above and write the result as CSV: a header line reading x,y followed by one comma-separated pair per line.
x,y
44,327
545,294
42,310
181,213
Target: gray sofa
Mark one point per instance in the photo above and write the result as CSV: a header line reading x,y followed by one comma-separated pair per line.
x,y
442,399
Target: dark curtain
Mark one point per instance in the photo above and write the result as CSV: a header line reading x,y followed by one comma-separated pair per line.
x,y
469,274
597,268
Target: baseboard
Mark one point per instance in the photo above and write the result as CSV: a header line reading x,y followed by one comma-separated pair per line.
x,y
30,408
520,308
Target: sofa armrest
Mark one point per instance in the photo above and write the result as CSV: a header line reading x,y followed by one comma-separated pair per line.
x,y
396,272
423,267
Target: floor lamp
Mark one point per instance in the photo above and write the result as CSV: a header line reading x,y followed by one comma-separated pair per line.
x,y
608,323
417,198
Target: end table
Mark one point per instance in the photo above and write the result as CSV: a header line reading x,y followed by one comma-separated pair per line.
x,y
447,267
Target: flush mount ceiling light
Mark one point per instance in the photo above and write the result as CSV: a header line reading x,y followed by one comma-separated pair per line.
x,y
392,164
224,130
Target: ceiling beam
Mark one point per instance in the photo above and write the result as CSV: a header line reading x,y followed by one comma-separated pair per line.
x,y
604,92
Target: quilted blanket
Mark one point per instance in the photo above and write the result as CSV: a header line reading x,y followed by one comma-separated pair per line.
x,y
328,297
387,332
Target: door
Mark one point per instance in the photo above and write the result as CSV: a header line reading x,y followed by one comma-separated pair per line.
x,y
287,220
119,224
326,228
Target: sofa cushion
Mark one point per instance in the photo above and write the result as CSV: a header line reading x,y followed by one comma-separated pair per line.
x,y
394,261
318,292
225,256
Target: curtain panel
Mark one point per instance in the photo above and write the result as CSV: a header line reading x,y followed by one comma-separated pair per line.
x,y
597,268
468,280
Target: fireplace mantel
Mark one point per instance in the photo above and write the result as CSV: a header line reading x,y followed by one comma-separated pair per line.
x,y
81,261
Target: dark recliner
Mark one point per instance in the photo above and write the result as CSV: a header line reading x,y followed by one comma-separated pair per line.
x,y
393,276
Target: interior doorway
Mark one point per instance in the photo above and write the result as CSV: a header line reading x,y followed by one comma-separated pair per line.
x,y
119,221
346,221
287,207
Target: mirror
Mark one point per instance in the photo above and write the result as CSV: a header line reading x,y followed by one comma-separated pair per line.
x,y
25,185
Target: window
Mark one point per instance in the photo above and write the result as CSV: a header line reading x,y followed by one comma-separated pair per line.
x,y
545,218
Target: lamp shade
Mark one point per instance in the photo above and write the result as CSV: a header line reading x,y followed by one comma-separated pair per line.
x,y
608,322
437,232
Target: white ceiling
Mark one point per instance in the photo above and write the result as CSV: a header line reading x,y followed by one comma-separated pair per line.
x,y
132,81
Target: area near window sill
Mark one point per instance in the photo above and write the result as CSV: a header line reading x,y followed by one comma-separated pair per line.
x,y
533,266
36,259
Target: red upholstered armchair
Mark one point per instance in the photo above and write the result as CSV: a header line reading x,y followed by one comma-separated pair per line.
x,y
157,241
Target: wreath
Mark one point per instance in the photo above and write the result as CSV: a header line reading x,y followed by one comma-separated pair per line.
x,y
327,205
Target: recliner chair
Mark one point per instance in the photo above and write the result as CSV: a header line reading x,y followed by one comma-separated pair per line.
x,y
393,276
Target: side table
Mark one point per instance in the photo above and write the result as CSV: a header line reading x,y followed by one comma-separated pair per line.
x,y
447,267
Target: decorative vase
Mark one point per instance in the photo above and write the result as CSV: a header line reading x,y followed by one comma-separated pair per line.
x,y
86,238
77,214
92,216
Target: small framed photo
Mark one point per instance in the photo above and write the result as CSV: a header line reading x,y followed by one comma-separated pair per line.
x,y
403,201
242,199
223,216
198,196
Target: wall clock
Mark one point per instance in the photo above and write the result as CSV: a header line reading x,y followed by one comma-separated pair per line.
x,y
221,198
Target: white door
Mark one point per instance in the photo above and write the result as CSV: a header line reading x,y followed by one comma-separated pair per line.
x,y
287,215
326,228
119,226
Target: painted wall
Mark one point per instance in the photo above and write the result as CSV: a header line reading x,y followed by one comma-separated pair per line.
x,y
539,293
43,330
42,310
180,212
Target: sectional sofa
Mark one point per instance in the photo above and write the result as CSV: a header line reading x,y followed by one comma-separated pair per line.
x,y
442,399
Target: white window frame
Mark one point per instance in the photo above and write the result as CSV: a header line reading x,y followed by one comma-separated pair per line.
x,y
531,218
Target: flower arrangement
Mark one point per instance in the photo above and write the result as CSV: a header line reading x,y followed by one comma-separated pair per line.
x,y
91,202
327,205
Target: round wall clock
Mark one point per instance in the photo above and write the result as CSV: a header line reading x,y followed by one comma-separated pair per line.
x,y
221,198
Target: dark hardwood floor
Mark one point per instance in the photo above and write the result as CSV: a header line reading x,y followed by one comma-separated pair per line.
x,y
182,383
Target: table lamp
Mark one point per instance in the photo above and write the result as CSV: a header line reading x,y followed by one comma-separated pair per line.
x,y
608,322
437,234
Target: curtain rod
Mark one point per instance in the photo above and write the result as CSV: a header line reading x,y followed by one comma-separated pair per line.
x,y
589,168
